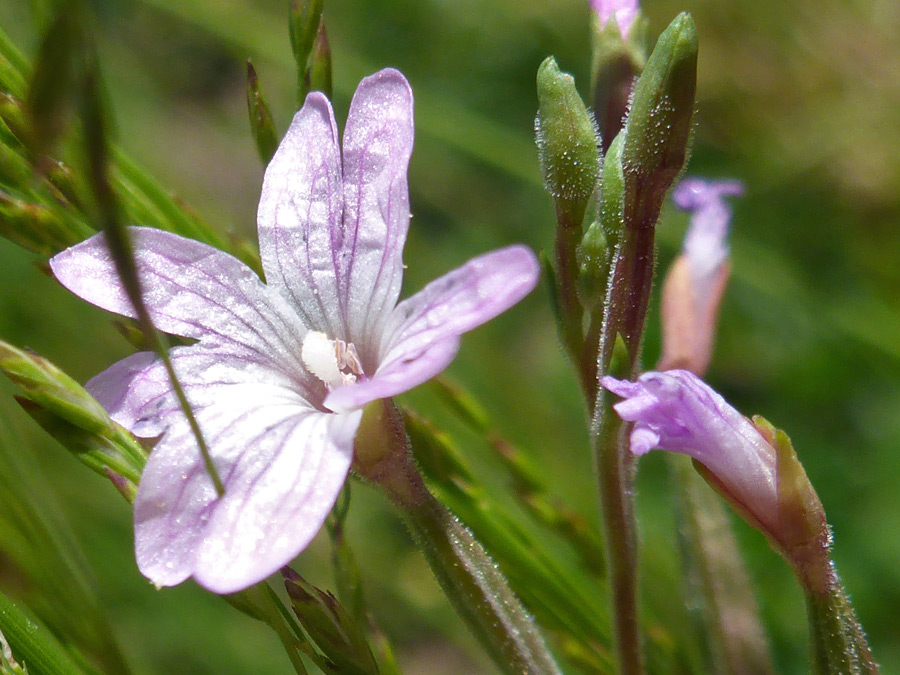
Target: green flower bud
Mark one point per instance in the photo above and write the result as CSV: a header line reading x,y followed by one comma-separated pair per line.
x,y
261,123
660,123
593,266
304,19
612,193
341,639
49,387
615,63
318,74
567,142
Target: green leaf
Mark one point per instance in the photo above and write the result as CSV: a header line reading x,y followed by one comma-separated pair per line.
x,y
32,644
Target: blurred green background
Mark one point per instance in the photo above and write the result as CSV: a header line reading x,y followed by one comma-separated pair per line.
x,y
800,99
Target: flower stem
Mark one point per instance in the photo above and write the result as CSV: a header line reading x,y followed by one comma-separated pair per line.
x,y
615,469
837,640
469,576
719,589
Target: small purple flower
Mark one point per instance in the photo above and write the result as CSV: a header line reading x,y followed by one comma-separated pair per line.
x,y
676,411
694,285
624,11
281,370
705,243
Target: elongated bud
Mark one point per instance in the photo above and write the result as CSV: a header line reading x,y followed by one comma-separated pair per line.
x,y
618,36
602,237
261,123
331,627
656,139
593,266
54,81
51,388
318,73
567,142
660,122
612,193
303,23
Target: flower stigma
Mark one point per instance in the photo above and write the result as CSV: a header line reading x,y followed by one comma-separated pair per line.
x,y
329,360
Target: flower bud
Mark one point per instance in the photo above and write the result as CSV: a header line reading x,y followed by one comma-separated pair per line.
x,y
341,639
49,387
660,123
261,123
593,266
567,142
624,12
318,74
304,19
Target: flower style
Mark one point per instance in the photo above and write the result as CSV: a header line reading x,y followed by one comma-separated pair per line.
x,y
695,284
280,370
678,412
624,11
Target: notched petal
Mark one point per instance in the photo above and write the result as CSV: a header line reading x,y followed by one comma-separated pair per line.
x,y
377,146
300,212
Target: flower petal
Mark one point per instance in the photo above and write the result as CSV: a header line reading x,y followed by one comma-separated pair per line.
x,y
137,391
282,464
277,499
422,336
676,411
299,216
190,289
377,146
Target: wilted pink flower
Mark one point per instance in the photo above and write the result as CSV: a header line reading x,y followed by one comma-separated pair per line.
x,y
281,370
694,285
624,11
678,412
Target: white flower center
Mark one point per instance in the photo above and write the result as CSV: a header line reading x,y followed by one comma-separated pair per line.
x,y
335,362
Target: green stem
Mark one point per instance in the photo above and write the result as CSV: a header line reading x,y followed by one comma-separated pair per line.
x,y
568,237
615,471
718,585
478,590
469,576
119,243
837,640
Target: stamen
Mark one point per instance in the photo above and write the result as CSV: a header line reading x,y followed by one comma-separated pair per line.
x,y
330,359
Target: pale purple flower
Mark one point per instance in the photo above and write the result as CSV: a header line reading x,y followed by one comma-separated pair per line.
x,y
705,243
676,411
624,11
281,370
695,284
